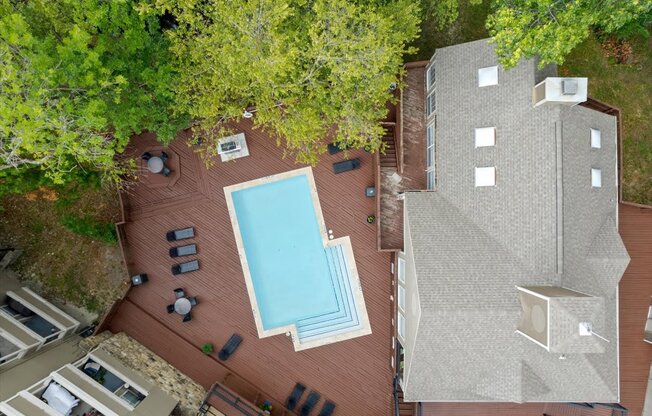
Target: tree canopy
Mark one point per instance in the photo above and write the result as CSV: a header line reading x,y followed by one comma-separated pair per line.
x,y
77,79
552,28
305,69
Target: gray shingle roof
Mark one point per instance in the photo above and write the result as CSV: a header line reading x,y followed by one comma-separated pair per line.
x,y
542,224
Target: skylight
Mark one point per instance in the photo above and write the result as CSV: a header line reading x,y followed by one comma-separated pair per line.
x,y
596,178
596,139
488,76
485,136
485,176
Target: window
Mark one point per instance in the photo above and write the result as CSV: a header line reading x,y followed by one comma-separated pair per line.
x,y
488,76
485,176
596,139
485,136
430,157
596,178
430,81
401,325
430,103
401,297
401,269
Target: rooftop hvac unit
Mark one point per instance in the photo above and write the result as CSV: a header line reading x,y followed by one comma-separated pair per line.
x,y
554,90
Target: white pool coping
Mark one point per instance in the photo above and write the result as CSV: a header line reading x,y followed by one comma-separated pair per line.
x,y
345,242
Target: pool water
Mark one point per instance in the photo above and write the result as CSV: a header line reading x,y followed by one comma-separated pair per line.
x,y
285,251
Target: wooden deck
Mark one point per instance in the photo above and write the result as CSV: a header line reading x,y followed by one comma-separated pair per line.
x,y
412,152
354,374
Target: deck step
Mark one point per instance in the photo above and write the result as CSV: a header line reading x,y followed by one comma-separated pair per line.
x,y
389,157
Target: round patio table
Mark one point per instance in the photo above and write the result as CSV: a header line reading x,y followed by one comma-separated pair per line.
x,y
155,164
182,306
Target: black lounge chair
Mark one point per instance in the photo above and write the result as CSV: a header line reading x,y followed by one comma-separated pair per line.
x,y
193,301
187,317
146,156
293,398
181,234
327,409
187,267
346,165
170,308
179,293
309,404
230,346
186,250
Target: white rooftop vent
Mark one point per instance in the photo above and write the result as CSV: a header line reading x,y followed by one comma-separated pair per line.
x,y
596,139
485,176
596,178
557,90
488,76
586,328
485,136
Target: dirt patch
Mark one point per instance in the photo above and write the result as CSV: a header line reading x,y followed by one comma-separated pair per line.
x,y
81,269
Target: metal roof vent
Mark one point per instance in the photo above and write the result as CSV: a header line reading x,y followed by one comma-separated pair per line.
x,y
569,86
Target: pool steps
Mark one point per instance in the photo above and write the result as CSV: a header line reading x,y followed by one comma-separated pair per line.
x,y
346,317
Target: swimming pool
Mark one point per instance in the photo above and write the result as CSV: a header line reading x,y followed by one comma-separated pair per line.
x,y
298,280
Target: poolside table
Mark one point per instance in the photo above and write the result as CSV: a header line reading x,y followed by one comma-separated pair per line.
x,y
182,306
155,164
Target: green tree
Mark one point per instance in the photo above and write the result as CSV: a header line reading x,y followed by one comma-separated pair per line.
x,y
443,12
78,77
552,28
306,69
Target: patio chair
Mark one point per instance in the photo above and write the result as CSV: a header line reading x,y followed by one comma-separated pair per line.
x,y
193,301
230,347
180,234
187,317
164,156
346,165
327,409
170,308
186,267
309,404
186,250
179,293
146,156
166,171
293,398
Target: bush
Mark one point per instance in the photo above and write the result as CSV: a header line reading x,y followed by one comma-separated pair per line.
x,y
207,348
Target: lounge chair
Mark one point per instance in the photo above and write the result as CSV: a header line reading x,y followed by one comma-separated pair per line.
x,y
309,404
230,346
293,398
346,165
179,293
193,301
170,308
146,156
187,267
187,317
186,250
181,234
327,409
